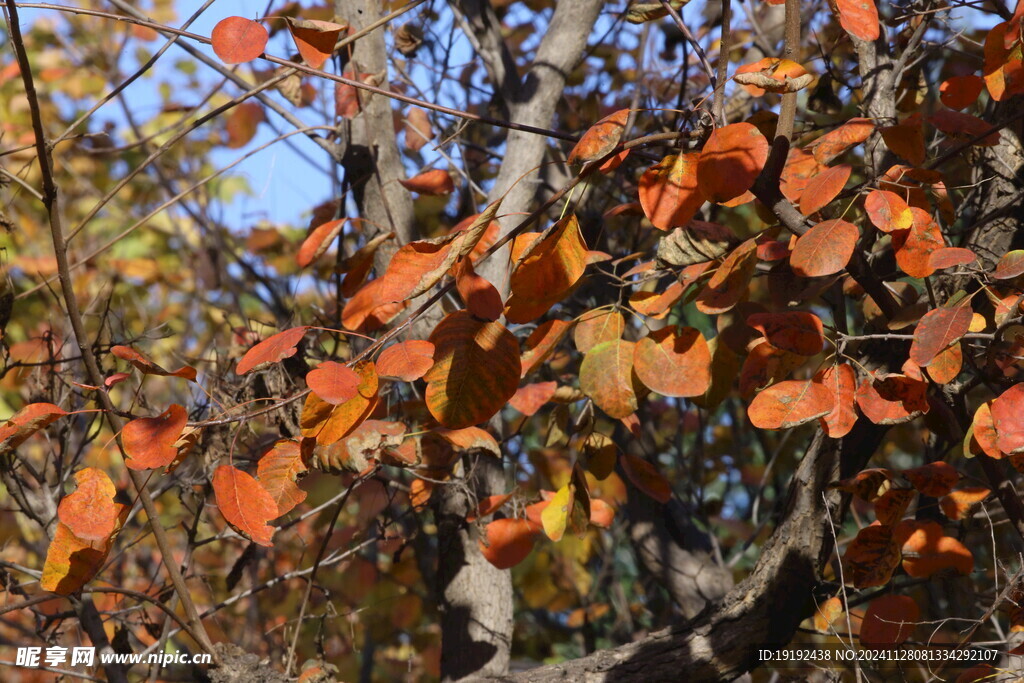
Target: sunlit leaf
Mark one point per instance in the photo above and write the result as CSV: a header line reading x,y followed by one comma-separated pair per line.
x,y
151,442
674,362
245,504
271,350
237,40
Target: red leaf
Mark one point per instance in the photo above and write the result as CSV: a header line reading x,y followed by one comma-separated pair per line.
x,y
369,309
935,479
407,361
488,505
906,139
27,422
950,257
960,126
433,182
1010,265
892,399
960,92
937,330
237,40
271,350
668,191
245,504
242,123
789,404
888,621
871,557
148,367
333,382
149,442
798,332
730,161
646,478
914,247
825,249
841,382
823,188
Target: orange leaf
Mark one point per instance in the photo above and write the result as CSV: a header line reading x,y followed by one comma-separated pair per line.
x,y
765,365
90,512
668,191
731,160
935,479
892,399
890,506
488,505
278,470
506,542
960,92
237,39
271,350
148,367
315,39
368,309
674,362
597,326
914,247
318,241
801,166
541,344
71,562
348,99
1007,410
872,557
1004,63
729,283
476,370
868,485
546,270
530,398
889,620
333,382
150,442
937,330
927,551
859,18
433,182
887,211
959,504
607,377
407,361
982,434
358,265
242,123
245,504
417,129
470,439
906,138
781,71
825,249
841,382
328,422
946,366
657,304
789,404
828,614
600,139
851,133
798,332
823,188
27,422
480,296
646,478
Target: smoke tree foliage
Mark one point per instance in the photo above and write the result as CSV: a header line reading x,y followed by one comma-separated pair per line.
x,y
628,340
